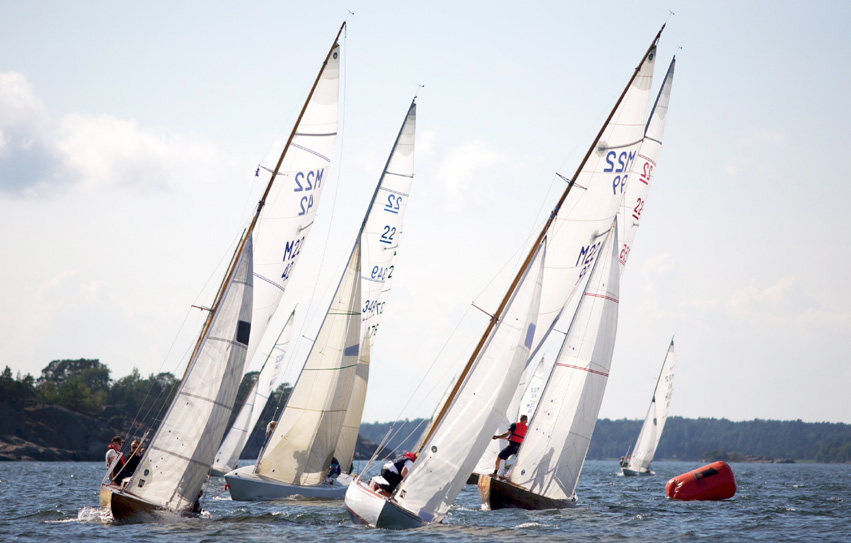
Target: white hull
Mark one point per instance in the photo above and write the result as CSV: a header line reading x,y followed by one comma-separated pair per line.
x,y
219,471
245,485
635,472
368,507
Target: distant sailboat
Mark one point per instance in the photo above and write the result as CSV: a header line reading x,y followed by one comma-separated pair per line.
x,y
172,471
323,414
249,414
654,422
559,259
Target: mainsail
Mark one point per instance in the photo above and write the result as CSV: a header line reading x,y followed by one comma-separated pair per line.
x,y
379,241
322,417
553,451
657,414
249,414
172,471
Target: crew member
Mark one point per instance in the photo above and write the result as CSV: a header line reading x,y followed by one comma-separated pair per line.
x,y
114,458
515,434
395,470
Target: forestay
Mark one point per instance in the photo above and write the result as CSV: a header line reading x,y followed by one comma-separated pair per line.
x,y
175,465
657,414
460,437
379,241
300,449
641,174
550,459
267,381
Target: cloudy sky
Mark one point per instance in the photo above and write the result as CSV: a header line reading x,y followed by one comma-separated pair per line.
x,y
130,133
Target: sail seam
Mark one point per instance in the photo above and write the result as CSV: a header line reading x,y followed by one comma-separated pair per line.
x,y
273,283
603,296
589,370
188,459
311,151
197,397
621,146
330,369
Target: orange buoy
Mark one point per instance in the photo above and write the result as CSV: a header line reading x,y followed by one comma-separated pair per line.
x,y
714,481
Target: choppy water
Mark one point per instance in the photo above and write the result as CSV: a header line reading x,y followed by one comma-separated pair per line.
x,y
49,501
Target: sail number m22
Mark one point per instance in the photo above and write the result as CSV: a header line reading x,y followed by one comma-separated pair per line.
x,y
307,182
619,163
291,251
586,257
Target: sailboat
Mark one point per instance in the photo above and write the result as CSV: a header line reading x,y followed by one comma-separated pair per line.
x,y
548,463
559,259
264,385
549,460
654,422
322,417
171,473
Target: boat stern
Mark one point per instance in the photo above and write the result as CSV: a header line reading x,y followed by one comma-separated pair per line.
x,y
366,506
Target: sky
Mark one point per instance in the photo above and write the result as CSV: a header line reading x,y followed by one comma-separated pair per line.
x,y
130,134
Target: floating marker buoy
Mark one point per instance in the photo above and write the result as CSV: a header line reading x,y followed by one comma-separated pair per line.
x,y
714,481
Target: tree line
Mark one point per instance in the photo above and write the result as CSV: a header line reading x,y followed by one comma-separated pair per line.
x,y
134,404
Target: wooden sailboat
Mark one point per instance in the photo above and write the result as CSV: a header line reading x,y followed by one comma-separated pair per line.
x,y
322,417
172,471
651,431
550,460
548,463
249,414
552,271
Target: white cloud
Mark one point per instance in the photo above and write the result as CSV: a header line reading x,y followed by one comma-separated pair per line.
x,y
85,152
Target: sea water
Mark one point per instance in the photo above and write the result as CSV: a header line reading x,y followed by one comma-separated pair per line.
x,y
57,501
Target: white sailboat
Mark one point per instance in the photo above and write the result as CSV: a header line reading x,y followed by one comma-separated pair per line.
x,y
548,463
654,422
249,414
172,471
322,417
573,236
546,470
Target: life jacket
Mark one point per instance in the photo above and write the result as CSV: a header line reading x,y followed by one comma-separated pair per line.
x,y
518,433
120,456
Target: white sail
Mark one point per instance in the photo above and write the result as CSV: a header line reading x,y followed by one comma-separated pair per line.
x,y
460,437
588,211
550,459
534,387
575,235
657,414
290,206
379,241
300,449
173,470
641,175
267,381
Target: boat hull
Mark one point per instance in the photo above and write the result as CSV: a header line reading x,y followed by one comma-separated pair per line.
x,y
366,506
636,472
497,494
245,485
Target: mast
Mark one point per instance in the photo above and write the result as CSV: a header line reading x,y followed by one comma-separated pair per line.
x,y
262,201
498,313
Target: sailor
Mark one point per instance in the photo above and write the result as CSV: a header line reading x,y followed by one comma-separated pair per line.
x,y
395,470
333,471
132,461
270,428
515,434
114,458
623,462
